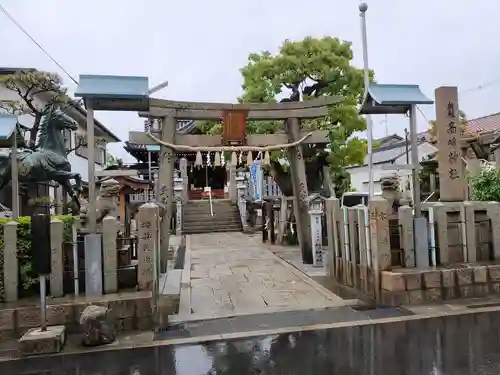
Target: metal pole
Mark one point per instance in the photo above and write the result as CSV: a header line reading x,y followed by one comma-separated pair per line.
x,y
15,177
149,198
76,271
363,7
91,167
406,147
43,303
149,166
415,162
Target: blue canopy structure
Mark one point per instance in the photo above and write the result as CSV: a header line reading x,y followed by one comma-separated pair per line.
x,y
9,126
153,148
392,99
114,93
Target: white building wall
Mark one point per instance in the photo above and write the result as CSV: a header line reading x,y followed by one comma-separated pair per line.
x,y
359,175
78,164
359,178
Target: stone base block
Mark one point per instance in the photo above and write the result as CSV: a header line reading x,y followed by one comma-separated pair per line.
x,y
36,341
414,286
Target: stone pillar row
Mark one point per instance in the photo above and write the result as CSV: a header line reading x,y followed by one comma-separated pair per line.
x,y
148,241
358,249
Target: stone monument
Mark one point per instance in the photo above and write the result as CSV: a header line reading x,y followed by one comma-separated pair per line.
x,y
452,179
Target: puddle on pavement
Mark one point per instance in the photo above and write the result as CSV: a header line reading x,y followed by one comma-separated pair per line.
x,y
461,344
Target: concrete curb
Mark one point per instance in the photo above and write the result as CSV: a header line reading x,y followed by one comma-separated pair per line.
x,y
191,318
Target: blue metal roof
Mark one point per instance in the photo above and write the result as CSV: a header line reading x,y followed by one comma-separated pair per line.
x,y
153,148
387,99
117,87
114,93
8,125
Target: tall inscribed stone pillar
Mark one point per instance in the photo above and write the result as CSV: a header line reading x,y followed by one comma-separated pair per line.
x,y
452,179
300,194
166,186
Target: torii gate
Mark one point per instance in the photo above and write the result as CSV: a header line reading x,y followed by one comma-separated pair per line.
x,y
235,138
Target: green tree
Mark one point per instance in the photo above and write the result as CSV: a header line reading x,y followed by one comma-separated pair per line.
x,y
37,91
112,160
316,67
486,185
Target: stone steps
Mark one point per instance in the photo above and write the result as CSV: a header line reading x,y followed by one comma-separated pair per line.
x,y
224,224
211,230
228,219
197,217
207,209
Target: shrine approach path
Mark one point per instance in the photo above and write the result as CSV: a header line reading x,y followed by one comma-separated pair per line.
x,y
236,274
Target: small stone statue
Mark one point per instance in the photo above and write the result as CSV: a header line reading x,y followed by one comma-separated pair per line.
x,y
96,326
390,189
106,202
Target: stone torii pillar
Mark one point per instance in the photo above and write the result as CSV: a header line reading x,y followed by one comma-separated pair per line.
x,y
300,193
166,186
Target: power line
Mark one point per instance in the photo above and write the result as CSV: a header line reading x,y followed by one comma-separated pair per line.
x,y
422,113
20,27
480,87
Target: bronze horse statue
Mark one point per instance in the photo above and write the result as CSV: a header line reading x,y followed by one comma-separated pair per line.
x,y
48,162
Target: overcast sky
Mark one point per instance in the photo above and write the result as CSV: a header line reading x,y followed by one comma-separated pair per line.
x,y
199,45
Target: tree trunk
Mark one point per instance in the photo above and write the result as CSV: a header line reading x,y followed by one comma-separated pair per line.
x,y
314,175
34,130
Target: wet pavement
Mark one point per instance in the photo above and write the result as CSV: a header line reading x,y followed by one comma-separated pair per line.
x,y
460,344
277,320
236,274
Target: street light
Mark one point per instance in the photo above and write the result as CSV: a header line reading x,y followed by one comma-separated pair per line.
x,y
363,7
152,90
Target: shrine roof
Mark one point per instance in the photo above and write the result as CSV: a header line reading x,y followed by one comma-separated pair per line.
x,y
107,86
8,126
114,93
387,99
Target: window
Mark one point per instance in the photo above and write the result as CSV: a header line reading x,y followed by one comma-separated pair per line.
x,y
68,144
100,155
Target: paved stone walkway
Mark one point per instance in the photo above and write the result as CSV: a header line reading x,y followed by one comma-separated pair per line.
x,y
235,274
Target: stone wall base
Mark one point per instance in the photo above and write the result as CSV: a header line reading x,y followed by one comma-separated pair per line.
x,y
405,286
131,312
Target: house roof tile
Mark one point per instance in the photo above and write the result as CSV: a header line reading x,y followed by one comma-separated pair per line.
x,y
485,124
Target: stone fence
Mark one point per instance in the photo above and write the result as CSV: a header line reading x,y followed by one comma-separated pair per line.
x,y
115,257
371,249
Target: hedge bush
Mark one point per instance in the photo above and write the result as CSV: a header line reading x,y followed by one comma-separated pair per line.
x,y
28,279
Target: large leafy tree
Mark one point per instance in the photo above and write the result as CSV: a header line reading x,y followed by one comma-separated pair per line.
x,y
37,91
316,67
311,68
